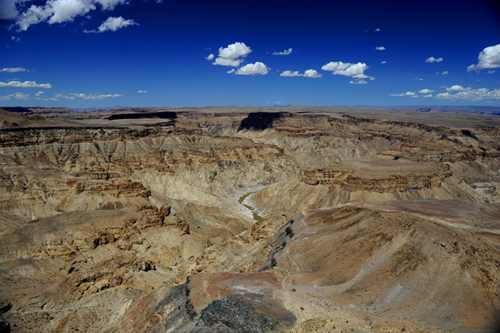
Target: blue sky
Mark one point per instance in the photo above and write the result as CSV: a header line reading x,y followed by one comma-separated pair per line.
x,y
99,53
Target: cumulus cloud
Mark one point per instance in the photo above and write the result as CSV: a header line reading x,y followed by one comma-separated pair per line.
x,y
432,59
358,82
377,30
251,69
14,69
93,96
58,11
457,92
384,62
55,11
425,91
427,96
64,96
347,69
408,93
285,52
444,73
210,57
455,87
488,58
227,62
491,72
25,84
87,96
291,74
142,91
21,96
17,95
112,24
110,4
39,93
232,54
311,73
379,48
231,71
16,39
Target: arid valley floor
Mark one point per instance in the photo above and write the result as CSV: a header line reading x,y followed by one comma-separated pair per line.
x,y
289,219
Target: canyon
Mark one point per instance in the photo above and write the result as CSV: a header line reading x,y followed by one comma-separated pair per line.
x,y
289,219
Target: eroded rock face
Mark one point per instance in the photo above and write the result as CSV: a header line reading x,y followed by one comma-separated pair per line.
x,y
379,175
131,223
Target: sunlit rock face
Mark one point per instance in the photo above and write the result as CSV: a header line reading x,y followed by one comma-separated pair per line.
x,y
129,221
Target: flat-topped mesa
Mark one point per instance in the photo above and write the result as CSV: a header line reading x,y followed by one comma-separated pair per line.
x,y
378,175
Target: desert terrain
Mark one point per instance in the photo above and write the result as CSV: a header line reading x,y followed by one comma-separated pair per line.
x,y
239,219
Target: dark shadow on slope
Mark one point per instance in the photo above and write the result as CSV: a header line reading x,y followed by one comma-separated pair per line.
x,y
259,121
141,115
17,109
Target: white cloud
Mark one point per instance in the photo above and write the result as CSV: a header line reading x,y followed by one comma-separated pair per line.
x,y
444,73
291,74
285,52
142,91
425,91
21,96
112,24
93,96
408,93
384,62
233,51
39,93
16,39
110,4
66,10
229,56
458,92
432,59
335,66
210,57
25,84
227,62
456,87
377,30
491,72
358,82
312,73
14,69
379,48
417,79
427,96
33,15
6,98
58,11
64,96
347,69
251,69
231,71
488,58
